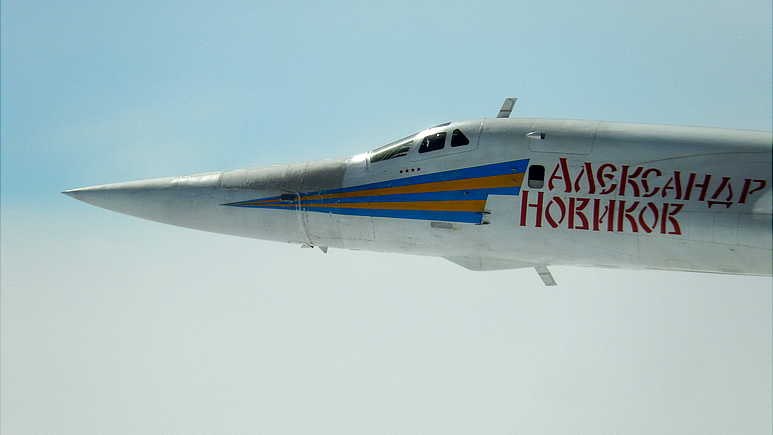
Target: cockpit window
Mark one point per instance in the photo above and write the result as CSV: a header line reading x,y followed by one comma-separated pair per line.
x,y
395,149
433,142
459,139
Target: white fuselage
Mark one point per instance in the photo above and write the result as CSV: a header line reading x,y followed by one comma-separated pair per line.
x,y
501,193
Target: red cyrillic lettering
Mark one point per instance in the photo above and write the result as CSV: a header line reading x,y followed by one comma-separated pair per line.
x,y
677,187
645,183
703,186
576,210
746,192
603,178
525,208
655,214
626,179
624,213
561,206
564,176
667,216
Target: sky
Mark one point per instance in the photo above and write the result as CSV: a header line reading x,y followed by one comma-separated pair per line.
x,y
111,324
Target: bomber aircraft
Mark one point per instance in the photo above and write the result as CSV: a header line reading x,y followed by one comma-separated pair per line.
x,y
501,193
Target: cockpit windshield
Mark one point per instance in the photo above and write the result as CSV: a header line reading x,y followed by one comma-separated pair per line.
x,y
395,149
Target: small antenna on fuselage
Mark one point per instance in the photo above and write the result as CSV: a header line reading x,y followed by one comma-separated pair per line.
x,y
507,107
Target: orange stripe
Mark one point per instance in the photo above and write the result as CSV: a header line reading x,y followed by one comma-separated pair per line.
x,y
267,203
473,206
494,181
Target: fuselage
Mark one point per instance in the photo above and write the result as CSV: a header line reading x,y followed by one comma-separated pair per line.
x,y
501,193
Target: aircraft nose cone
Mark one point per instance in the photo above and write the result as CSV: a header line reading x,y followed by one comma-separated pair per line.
x,y
79,194
112,196
160,199
199,202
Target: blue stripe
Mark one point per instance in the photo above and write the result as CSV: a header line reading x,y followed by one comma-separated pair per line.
x,y
428,215
455,195
433,215
447,216
513,167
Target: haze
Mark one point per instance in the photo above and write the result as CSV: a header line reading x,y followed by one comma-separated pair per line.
x,y
110,324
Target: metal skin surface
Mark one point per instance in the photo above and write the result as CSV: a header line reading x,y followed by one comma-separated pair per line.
x,y
612,195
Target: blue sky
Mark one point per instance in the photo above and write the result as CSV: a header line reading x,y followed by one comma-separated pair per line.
x,y
108,320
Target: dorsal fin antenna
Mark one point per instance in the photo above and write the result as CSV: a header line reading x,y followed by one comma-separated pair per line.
x,y
507,107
